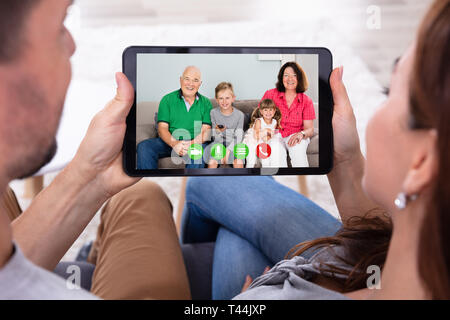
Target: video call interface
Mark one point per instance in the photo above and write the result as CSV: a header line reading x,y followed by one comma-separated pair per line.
x,y
227,111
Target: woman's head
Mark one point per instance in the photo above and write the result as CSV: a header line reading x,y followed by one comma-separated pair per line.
x,y
292,77
408,150
408,144
430,108
402,136
394,150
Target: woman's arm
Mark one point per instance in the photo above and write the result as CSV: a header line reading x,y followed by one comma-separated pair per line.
x,y
346,176
345,181
308,128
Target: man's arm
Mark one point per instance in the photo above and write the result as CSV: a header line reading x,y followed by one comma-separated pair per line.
x,y
205,131
166,136
204,135
58,215
164,119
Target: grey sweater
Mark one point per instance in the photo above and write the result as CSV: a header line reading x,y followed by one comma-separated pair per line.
x,y
20,279
289,280
234,124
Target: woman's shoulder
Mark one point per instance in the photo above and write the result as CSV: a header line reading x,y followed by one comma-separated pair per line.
x,y
305,98
271,93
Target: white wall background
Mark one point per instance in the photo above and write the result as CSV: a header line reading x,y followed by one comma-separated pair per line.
x,y
251,76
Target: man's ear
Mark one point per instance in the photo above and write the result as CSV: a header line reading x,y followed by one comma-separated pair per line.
x,y
424,165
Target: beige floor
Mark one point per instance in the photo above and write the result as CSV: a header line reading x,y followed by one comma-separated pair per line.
x,y
377,47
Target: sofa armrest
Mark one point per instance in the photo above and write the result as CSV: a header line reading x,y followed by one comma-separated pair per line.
x,y
313,146
144,132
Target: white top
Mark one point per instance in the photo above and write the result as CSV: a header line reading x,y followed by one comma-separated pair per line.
x,y
271,126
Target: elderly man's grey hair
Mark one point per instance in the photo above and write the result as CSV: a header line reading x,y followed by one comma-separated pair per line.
x,y
194,68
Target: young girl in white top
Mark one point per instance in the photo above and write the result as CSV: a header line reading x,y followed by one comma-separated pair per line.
x,y
264,128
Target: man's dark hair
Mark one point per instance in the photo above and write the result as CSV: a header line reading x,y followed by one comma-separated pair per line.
x,y
13,15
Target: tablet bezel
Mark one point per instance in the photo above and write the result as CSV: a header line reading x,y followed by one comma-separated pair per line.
x,y
325,105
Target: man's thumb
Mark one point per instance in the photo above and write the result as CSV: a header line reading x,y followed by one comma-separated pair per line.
x,y
125,90
122,102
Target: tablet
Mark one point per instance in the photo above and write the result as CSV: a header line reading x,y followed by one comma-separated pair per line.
x,y
202,111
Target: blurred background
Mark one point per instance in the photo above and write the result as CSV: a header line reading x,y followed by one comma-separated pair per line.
x,y
378,45
364,36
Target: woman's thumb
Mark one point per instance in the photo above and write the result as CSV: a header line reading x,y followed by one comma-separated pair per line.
x,y
338,89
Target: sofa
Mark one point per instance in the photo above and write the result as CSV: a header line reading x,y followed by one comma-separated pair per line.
x,y
146,128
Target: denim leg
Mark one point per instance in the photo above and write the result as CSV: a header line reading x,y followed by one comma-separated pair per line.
x,y
149,151
234,259
194,228
272,217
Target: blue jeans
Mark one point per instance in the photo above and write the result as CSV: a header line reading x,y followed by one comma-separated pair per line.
x,y
254,221
151,150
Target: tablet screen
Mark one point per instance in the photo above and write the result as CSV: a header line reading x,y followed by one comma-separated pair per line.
x,y
232,111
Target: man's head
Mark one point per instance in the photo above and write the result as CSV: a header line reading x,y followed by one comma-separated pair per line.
x,y
35,72
190,81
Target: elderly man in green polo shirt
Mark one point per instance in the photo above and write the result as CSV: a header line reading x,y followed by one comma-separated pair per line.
x,y
183,126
